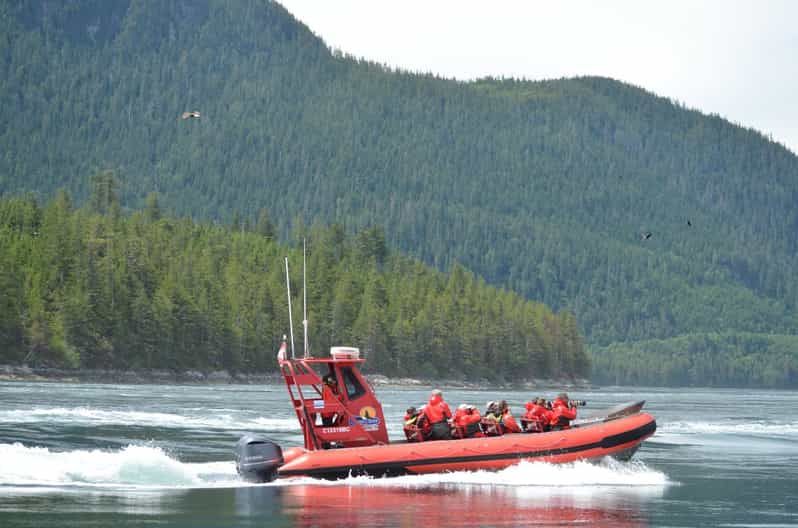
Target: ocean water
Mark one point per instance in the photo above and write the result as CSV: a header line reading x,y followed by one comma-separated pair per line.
x,y
162,455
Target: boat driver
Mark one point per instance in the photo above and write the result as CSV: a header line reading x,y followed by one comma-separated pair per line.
x,y
329,394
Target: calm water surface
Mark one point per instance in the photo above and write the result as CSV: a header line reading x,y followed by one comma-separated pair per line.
x,y
125,455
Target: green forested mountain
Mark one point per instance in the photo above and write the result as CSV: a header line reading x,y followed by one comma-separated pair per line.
x,y
541,187
94,288
728,359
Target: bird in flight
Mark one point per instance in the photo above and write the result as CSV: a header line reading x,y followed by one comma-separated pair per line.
x,y
189,115
689,223
646,235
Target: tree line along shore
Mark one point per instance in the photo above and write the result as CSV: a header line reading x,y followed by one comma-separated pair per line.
x,y
96,288
24,373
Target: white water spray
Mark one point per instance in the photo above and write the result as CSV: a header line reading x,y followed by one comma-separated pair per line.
x,y
152,467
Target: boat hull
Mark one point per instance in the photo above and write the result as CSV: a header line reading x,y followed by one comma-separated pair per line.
x,y
618,437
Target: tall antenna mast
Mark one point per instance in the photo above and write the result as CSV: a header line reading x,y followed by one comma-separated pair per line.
x,y
305,296
290,317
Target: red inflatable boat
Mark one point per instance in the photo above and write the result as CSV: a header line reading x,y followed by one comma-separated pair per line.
x,y
355,439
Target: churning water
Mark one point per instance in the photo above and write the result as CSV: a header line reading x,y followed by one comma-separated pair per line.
x,y
77,454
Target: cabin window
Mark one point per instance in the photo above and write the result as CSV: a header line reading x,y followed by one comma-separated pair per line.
x,y
354,389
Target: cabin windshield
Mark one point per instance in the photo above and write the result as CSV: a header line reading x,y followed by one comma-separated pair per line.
x,y
354,389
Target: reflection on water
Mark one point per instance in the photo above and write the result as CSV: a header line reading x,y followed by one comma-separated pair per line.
x,y
335,506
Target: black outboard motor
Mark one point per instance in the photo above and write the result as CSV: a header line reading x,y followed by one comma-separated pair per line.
x,y
257,458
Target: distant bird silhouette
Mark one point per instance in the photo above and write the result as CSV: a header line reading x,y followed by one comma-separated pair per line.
x,y
689,223
189,115
646,235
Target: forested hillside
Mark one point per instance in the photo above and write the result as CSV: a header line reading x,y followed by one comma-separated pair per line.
x,y
94,288
719,360
541,187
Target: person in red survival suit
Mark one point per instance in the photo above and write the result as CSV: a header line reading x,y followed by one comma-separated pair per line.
x,y
562,413
414,426
492,420
538,417
437,413
329,394
466,422
507,420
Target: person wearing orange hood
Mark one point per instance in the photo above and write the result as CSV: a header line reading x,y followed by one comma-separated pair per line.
x,y
466,422
537,417
437,413
562,413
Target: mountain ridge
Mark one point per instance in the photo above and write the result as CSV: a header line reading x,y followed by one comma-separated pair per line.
x,y
540,186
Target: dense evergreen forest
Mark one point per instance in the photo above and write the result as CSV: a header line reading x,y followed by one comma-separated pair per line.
x,y
94,288
543,188
730,359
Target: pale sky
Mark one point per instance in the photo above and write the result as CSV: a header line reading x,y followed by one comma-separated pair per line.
x,y
735,58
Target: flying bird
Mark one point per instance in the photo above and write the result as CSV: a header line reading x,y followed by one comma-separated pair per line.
x,y
689,223
189,115
646,235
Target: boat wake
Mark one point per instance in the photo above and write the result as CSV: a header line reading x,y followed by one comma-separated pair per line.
x,y
608,473
133,466
768,428
731,436
141,466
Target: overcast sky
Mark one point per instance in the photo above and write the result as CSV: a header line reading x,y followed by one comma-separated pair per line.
x,y
738,59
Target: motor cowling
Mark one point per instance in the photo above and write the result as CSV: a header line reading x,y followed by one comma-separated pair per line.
x,y
258,458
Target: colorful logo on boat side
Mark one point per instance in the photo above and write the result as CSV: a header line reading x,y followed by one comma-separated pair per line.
x,y
367,412
367,418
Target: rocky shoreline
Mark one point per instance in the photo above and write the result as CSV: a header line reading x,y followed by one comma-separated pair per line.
x,y
139,376
223,377
378,380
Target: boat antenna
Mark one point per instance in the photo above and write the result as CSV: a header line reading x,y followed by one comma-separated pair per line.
x,y
290,317
305,295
